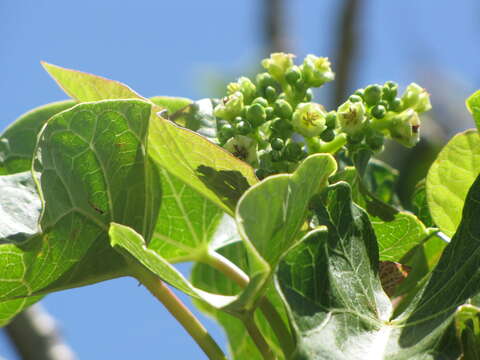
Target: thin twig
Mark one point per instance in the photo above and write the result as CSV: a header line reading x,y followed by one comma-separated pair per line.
x,y
274,319
181,313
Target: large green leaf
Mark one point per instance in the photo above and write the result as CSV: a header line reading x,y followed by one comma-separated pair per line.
x,y
450,177
271,214
420,204
17,142
207,168
473,104
92,170
330,285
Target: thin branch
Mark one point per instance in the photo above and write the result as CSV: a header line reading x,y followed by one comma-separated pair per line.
x,y
35,336
258,338
274,319
181,313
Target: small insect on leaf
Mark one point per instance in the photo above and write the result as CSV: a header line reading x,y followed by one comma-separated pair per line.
x,y
391,275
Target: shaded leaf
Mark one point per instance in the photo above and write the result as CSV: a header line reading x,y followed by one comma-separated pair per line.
x,y
17,142
420,204
91,170
450,177
180,151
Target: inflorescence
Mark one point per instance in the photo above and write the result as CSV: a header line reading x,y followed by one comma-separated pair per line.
x,y
258,120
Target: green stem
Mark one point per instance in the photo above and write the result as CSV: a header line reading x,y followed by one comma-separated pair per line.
x,y
181,313
316,146
257,337
274,319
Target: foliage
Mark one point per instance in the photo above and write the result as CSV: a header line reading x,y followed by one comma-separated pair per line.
x,y
302,249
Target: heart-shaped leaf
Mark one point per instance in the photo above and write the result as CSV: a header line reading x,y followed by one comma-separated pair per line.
x,y
450,177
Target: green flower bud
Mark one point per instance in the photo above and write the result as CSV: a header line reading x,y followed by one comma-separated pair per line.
x,y
244,148
416,98
226,132
396,105
293,151
282,109
277,144
245,86
256,115
237,119
375,140
276,155
269,112
243,127
390,90
379,111
328,135
359,92
309,119
331,120
300,85
264,80
372,94
278,64
281,128
260,100
355,98
316,71
405,128
270,94
230,106
293,75
352,117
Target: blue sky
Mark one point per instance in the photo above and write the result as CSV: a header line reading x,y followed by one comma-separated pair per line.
x,y
169,48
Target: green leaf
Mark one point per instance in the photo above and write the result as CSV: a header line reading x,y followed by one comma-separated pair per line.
x,y
397,237
209,279
270,215
87,87
19,213
199,117
473,105
331,287
450,177
207,168
10,308
398,232
330,284
92,170
17,143
171,104
130,243
420,204
186,222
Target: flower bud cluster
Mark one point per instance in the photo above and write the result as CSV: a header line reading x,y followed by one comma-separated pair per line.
x,y
378,111
257,120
